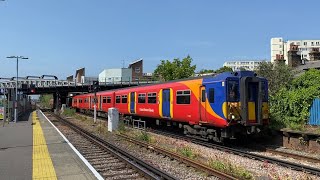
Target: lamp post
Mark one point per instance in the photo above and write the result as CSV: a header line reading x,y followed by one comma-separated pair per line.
x,y
16,101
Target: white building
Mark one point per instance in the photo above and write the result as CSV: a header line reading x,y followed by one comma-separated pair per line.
x,y
237,65
281,47
116,75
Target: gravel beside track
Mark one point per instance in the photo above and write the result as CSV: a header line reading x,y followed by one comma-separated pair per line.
x,y
164,163
261,170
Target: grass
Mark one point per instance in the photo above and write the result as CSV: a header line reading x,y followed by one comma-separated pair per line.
x,y
102,128
121,126
69,112
144,136
229,168
188,152
82,118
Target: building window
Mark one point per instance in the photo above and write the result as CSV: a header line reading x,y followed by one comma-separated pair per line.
x,y
117,99
124,99
280,52
280,46
305,43
142,98
109,99
280,40
137,69
152,98
183,97
298,43
317,43
312,44
104,100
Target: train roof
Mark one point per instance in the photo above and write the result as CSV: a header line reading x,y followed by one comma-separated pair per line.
x,y
215,77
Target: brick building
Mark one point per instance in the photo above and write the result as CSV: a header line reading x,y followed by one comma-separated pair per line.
x,y
137,69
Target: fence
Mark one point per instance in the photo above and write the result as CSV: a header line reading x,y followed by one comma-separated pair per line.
x,y
314,118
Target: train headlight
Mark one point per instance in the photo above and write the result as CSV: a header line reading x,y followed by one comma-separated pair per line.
x,y
233,117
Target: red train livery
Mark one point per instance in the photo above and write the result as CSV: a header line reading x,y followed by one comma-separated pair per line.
x,y
213,107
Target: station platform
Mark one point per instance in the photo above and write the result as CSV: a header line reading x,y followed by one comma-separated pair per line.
x,y
33,148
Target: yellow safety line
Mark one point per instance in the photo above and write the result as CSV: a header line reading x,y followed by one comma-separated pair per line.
x,y
42,164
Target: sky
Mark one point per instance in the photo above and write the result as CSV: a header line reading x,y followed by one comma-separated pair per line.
x,y
60,36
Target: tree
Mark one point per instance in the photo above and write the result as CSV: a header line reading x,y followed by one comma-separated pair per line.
x,y
45,100
278,75
224,69
204,71
290,105
176,69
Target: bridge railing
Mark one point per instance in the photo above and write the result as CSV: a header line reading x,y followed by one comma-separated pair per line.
x,y
41,83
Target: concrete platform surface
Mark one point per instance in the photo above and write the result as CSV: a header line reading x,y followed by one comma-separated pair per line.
x,y
18,152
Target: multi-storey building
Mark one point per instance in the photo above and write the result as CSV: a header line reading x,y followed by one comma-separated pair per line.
x,y
238,65
280,48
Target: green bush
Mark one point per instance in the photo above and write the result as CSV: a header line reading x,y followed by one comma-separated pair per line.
x,y
69,112
290,106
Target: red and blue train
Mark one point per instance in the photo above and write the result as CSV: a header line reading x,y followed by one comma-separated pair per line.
x,y
217,107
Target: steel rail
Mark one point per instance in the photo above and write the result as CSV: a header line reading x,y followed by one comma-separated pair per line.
x,y
295,156
295,166
178,157
146,169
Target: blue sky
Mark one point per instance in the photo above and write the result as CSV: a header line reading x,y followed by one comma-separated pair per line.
x,y
60,36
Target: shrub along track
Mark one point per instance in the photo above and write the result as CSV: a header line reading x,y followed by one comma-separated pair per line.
x,y
110,161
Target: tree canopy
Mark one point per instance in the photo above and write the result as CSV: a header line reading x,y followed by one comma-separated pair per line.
x,y
290,105
177,69
223,69
278,75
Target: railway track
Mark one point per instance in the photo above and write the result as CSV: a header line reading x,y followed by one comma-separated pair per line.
x,y
295,156
110,161
180,158
287,164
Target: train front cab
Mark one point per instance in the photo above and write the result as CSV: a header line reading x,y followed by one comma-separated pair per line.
x,y
247,104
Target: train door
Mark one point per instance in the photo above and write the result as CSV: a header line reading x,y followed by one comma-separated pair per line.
x,y
100,102
166,103
202,101
132,102
251,100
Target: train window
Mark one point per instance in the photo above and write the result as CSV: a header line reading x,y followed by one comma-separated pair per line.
x,y
117,99
108,99
152,98
211,95
104,100
142,98
264,91
233,91
124,99
183,97
203,95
